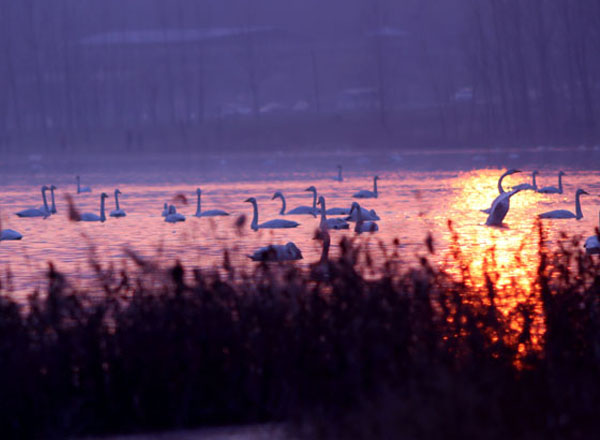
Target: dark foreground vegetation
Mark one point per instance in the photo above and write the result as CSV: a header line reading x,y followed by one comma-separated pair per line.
x,y
335,351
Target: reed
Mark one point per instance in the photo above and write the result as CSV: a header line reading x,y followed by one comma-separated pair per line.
x,y
414,352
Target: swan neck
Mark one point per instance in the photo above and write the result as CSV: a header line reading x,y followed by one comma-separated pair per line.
x,y
45,200
117,201
198,209
53,202
282,212
340,174
359,219
375,186
314,201
102,215
254,224
578,211
560,188
535,187
325,250
323,213
500,189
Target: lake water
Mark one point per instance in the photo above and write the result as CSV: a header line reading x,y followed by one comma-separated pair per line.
x,y
419,192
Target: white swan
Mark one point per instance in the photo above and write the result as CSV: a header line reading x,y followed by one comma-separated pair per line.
x,y
174,216
330,223
565,214
37,212
277,252
553,189
500,208
366,214
91,217
118,212
500,189
532,185
9,234
361,225
209,213
592,244
339,177
366,194
165,211
82,189
312,210
271,224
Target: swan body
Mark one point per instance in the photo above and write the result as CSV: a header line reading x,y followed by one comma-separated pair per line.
x,y
330,223
271,224
533,185
361,225
500,188
366,194
366,214
82,189
91,217
592,244
209,213
44,211
277,252
500,208
118,212
554,189
565,214
165,211
339,177
311,210
9,234
174,216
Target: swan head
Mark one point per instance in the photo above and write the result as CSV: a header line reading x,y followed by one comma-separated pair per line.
x,y
172,209
356,206
277,194
376,178
512,171
77,178
311,188
321,200
103,195
580,192
293,251
45,188
339,167
536,172
52,187
250,200
198,191
118,191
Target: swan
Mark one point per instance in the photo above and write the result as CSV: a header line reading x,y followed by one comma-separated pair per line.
x,y
165,211
9,234
553,189
339,177
500,189
532,185
34,212
366,194
361,225
117,212
366,214
271,224
500,208
91,217
563,213
174,216
277,252
592,244
321,270
82,189
306,209
210,213
331,223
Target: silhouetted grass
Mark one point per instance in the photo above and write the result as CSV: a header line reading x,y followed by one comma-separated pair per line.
x,y
411,353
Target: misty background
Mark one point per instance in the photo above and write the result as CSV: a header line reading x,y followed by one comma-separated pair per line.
x,y
207,75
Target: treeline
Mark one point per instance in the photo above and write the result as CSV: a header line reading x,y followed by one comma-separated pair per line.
x,y
83,74
535,67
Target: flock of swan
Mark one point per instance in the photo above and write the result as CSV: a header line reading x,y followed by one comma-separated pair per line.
x,y
364,219
501,205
